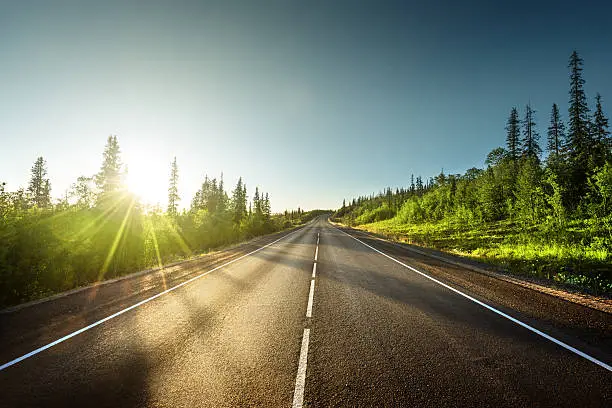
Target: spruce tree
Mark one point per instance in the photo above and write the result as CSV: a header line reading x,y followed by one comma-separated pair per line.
x,y
109,178
578,136
257,204
173,197
556,133
419,185
221,197
212,198
266,209
601,134
239,203
39,188
513,135
529,146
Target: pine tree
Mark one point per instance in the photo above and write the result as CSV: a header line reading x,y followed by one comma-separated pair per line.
x,y
244,193
212,198
530,147
513,135
221,197
109,179
601,134
578,136
239,203
173,197
419,185
556,133
257,204
266,209
39,188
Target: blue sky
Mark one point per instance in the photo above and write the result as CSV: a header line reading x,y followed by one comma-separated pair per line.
x,y
312,101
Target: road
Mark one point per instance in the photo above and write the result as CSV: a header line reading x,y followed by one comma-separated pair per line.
x,y
272,330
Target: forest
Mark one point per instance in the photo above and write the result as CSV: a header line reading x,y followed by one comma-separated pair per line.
x,y
100,230
543,212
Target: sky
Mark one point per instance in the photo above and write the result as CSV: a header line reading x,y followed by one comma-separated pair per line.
x,y
313,101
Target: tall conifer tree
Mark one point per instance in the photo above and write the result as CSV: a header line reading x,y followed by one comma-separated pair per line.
x,y
578,136
513,135
173,197
556,133
39,188
239,202
530,147
601,134
109,179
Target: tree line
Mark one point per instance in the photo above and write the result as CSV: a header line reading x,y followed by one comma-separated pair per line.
x,y
570,184
99,229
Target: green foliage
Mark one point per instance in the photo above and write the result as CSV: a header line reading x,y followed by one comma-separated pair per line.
x,y
377,214
550,219
530,203
104,232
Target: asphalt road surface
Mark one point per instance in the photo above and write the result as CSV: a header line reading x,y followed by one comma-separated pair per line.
x,y
366,326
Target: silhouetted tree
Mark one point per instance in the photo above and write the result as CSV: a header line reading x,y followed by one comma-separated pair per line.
x,y
601,135
110,178
530,147
513,135
578,137
419,185
556,132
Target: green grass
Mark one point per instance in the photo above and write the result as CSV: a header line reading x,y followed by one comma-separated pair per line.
x,y
576,256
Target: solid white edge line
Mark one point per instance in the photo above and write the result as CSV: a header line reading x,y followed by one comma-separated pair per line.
x,y
300,378
314,270
317,252
142,302
310,298
491,308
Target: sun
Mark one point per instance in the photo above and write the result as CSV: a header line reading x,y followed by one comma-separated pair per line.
x,y
147,180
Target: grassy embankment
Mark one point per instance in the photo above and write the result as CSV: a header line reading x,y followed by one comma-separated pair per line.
x,y
575,257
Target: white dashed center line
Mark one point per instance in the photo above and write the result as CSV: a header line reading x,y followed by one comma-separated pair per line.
x,y
300,379
310,299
